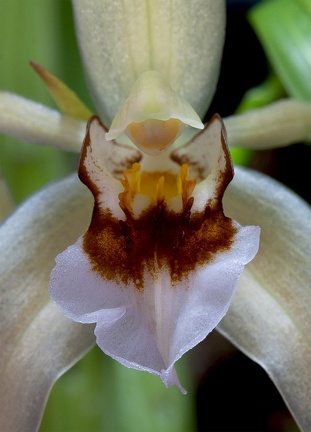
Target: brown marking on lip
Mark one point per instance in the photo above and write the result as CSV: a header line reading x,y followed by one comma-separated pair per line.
x,y
120,251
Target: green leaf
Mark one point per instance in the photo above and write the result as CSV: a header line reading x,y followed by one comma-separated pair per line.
x,y
284,29
103,395
267,92
36,30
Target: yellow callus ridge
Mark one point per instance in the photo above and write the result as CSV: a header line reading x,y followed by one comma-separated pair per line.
x,y
154,115
157,185
186,186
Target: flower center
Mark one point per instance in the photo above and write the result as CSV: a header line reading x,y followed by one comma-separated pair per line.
x,y
154,115
154,236
159,186
153,136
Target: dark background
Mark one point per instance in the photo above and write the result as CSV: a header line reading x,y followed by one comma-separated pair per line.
x,y
244,66
235,394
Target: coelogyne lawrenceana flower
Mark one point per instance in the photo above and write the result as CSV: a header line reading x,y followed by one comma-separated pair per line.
x,y
158,267
160,262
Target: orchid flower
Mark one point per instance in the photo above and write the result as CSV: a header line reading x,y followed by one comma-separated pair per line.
x,y
153,303
159,265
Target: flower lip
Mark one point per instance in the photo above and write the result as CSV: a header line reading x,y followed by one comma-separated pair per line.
x,y
127,246
158,281
125,249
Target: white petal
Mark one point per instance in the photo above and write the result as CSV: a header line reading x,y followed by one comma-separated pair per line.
x,y
30,121
37,343
122,331
277,125
120,40
184,313
151,330
270,318
79,291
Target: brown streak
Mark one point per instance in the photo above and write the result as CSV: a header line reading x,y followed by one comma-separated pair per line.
x,y
121,251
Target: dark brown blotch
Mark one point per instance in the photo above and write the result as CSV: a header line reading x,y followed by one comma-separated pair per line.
x,y
121,250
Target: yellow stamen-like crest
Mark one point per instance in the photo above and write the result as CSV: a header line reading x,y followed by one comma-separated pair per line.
x,y
159,186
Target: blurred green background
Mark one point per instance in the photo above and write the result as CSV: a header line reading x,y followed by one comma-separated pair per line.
x,y
42,31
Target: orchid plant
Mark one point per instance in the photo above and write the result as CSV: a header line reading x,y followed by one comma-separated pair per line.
x,y
158,264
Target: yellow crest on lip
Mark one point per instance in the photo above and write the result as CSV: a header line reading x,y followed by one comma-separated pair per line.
x,y
157,185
